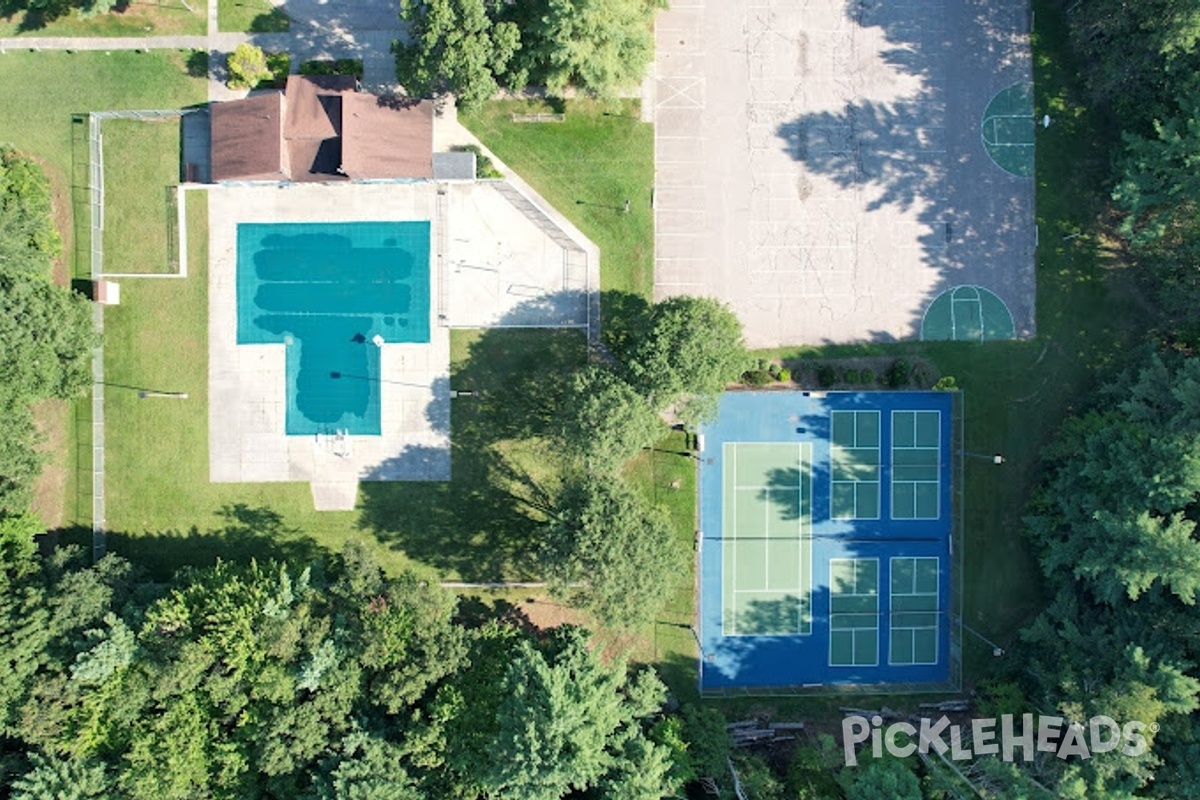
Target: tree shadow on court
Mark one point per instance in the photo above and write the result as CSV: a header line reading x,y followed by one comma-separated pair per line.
x,y
781,617
921,154
781,493
483,523
249,533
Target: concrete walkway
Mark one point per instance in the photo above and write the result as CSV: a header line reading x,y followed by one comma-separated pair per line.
x,y
330,29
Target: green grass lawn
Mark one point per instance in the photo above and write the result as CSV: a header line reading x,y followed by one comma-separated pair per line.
x,y
164,512
139,195
138,18
250,16
586,167
43,95
667,475
44,91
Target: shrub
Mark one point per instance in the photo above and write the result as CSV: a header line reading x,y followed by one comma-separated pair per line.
x,y
784,375
866,377
247,66
757,377
946,384
96,8
826,376
342,66
899,374
280,64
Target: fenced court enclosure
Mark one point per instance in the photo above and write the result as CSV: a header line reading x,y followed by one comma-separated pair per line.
x,y
829,540
136,202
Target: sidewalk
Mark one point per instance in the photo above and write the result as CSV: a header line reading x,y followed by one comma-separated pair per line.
x,y
328,30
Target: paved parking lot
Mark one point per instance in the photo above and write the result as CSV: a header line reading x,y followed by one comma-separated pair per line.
x,y
820,165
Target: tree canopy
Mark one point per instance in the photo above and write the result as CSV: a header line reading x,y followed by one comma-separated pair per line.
x,y
567,722
247,66
1115,510
473,47
329,680
605,422
599,46
456,46
28,237
1113,523
46,331
46,340
1134,53
687,351
609,551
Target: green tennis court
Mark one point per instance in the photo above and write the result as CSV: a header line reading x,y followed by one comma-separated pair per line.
x,y
767,558
853,612
1008,129
914,602
854,460
967,314
916,464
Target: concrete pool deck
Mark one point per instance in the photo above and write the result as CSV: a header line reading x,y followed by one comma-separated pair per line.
x,y
493,262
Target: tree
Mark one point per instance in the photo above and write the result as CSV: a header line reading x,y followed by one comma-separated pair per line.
x,y
881,777
599,46
689,350
456,46
1114,523
609,551
28,238
56,778
407,641
605,422
94,8
1114,510
247,66
1132,52
1160,187
20,461
46,341
568,722
371,769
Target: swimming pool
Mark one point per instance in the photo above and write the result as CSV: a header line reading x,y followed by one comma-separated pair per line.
x,y
326,290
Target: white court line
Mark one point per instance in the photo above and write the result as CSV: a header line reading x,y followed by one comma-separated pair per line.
x,y
733,612
937,604
767,542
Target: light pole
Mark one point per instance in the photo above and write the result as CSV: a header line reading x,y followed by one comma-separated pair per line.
x,y
172,395
996,459
997,650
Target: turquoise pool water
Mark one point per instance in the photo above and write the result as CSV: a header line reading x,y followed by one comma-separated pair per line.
x,y
325,290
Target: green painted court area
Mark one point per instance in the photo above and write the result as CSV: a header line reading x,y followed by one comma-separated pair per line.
x,y
914,623
1008,129
854,455
967,314
768,538
916,464
853,612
